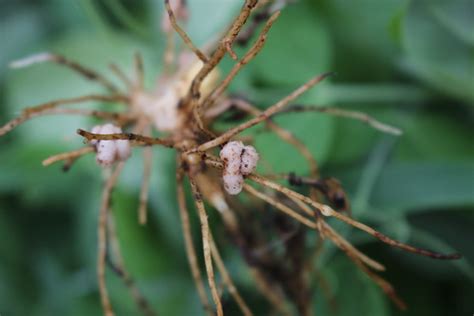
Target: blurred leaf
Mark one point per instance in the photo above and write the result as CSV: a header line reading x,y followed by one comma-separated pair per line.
x,y
457,16
122,14
360,31
430,241
350,286
442,136
352,139
314,130
297,48
27,87
415,186
22,172
139,244
201,27
429,44
20,31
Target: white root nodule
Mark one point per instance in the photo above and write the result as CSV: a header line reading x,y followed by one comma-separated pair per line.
x,y
239,161
110,151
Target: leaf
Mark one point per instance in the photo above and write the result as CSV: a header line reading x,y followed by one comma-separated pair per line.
x,y
436,135
22,173
418,186
202,27
297,48
140,246
28,87
431,241
20,30
350,287
436,56
457,16
363,48
314,130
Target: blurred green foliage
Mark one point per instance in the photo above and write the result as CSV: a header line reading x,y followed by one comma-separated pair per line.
x,y
409,63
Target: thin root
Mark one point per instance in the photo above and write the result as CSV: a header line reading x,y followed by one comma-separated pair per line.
x,y
228,280
102,238
251,54
183,34
68,155
59,59
147,163
329,212
119,268
145,140
139,72
280,105
206,241
25,116
121,75
188,242
359,116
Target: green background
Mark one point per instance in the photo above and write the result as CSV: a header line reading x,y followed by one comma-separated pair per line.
x,y
408,63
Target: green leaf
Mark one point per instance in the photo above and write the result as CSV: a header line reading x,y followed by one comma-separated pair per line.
x,y
457,16
20,31
28,87
360,32
416,186
350,287
315,131
434,135
427,239
140,246
297,48
433,53
210,17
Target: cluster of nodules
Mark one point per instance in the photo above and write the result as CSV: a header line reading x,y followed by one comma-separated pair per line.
x,y
239,161
110,151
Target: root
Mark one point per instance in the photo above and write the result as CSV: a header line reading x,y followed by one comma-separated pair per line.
x,y
188,242
145,140
206,240
50,108
228,280
70,155
355,115
139,72
121,75
251,54
329,212
183,34
145,187
102,238
87,73
280,105
119,268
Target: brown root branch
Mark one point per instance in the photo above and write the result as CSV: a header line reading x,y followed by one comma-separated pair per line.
x,y
189,244
74,154
119,268
102,238
356,115
280,105
144,140
50,108
88,73
206,241
251,54
329,212
183,34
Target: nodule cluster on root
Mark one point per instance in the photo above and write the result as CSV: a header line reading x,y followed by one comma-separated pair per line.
x,y
239,161
110,151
